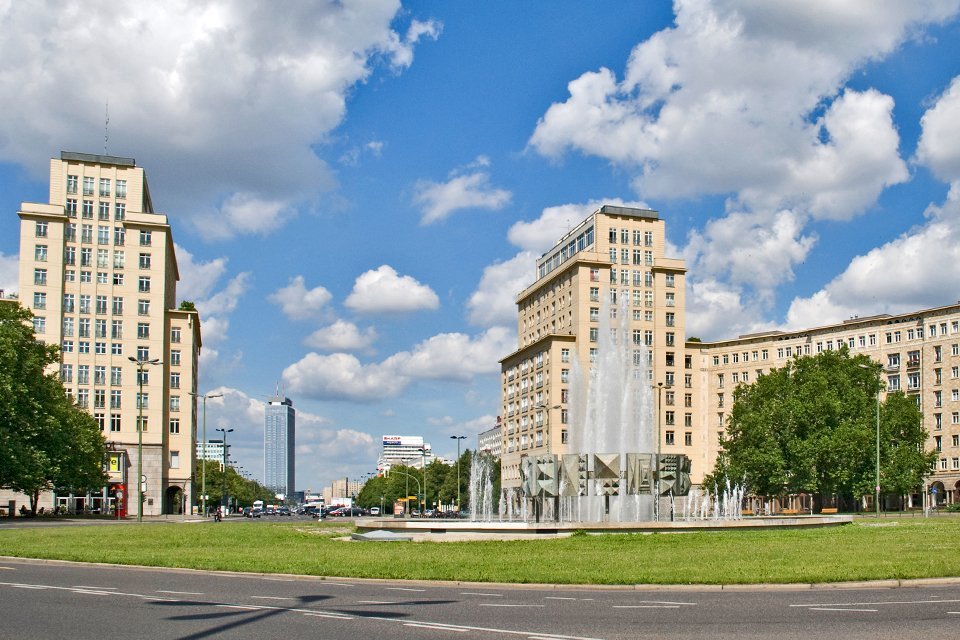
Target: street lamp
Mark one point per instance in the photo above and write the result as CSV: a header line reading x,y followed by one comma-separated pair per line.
x,y
423,462
203,473
656,484
877,487
415,479
458,439
141,363
225,499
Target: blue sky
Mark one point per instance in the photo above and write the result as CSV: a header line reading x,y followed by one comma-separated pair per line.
x,y
359,189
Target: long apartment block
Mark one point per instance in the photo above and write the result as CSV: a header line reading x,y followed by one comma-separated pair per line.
x,y
98,270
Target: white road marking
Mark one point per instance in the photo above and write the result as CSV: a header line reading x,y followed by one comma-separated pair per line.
x,y
556,598
375,602
9,568
841,609
245,607
646,606
679,604
339,584
473,593
512,605
84,586
335,616
181,593
873,604
271,598
427,625
403,589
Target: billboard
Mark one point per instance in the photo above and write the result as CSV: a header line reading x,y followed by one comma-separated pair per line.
x,y
402,441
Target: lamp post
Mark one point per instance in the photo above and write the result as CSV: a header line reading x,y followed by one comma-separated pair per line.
x,y
203,462
656,477
876,499
141,363
423,458
225,499
458,439
408,476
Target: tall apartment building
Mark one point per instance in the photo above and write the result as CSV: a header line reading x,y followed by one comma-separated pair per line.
x,y
99,272
920,353
615,254
279,440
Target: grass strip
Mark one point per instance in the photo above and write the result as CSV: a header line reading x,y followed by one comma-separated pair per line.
x,y
908,548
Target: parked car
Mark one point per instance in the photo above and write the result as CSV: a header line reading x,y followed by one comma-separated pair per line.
x,y
283,511
374,511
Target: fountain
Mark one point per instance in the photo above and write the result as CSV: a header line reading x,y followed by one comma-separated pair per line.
x,y
613,476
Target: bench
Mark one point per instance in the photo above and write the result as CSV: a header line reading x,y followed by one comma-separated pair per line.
x,y
828,510
747,512
790,512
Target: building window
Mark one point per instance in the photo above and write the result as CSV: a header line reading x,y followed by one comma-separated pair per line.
x,y
87,210
688,439
39,300
175,404
144,260
143,330
174,425
40,276
144,284
174,357
146,238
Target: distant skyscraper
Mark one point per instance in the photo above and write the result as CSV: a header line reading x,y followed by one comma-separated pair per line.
x,y
278,444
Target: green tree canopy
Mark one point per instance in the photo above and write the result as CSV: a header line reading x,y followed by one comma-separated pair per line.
x,y
46,441
810,427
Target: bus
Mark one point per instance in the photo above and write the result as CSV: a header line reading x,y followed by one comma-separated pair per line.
x,y
258,506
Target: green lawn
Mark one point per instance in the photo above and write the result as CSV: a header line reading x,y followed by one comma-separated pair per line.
x,y
864,550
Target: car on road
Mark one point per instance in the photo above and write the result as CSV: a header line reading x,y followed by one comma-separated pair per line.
x,y
374,511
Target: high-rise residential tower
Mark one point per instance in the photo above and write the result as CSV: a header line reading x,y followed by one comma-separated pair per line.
x,y
98,270
279,440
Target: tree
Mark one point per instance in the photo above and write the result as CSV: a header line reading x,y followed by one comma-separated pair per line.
x,y
46,440
810,427
186,305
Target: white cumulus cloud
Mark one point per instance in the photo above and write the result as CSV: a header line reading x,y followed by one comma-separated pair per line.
x,y
219,83
470,190
451,357
342,336
383,290
298,302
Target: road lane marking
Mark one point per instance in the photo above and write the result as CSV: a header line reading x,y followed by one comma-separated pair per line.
x,y
85,586
435,627
842,609
512,605
873,604
403,589
245,607
646,606
9,568
339,584
181,593
272,598
335,616
474,593
556,598
375,602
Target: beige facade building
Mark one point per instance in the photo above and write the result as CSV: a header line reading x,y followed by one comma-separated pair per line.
x,y
615,253
920,353
99,272
618,252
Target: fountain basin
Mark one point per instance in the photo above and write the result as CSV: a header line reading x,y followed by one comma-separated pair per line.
x,y
520,529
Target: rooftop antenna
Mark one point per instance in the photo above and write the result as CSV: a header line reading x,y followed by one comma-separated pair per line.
x,y
106,126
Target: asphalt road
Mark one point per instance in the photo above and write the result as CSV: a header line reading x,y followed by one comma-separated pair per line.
x,y
41,599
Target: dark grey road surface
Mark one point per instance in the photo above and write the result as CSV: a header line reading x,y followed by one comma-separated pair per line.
x,y
80,602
